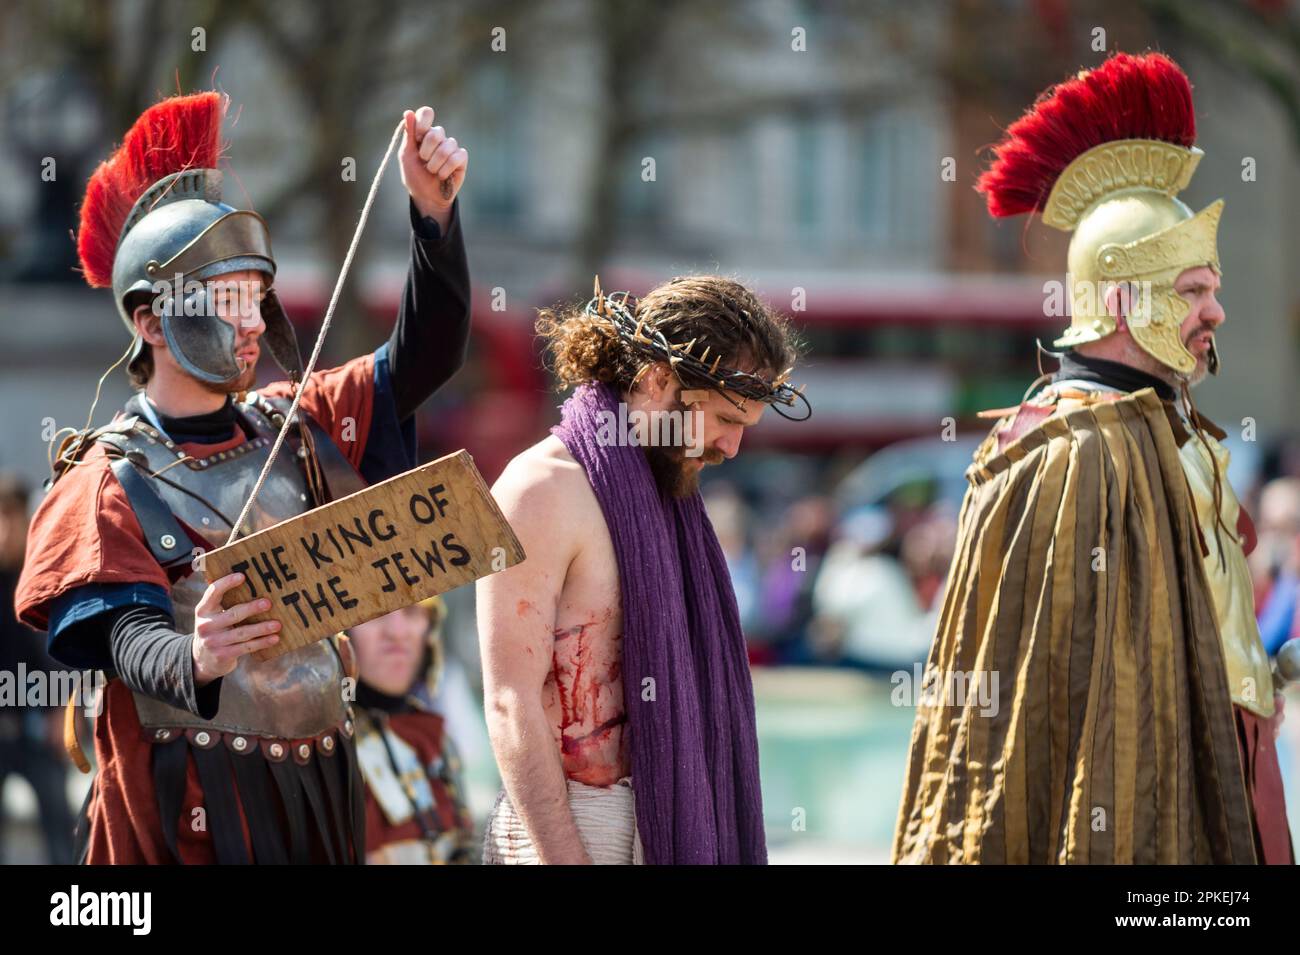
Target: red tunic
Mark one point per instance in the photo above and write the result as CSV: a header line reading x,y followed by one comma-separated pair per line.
x,y
423,732
1264,785
85,532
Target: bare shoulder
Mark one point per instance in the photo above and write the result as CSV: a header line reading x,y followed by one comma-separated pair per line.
x,y
545,469
545,487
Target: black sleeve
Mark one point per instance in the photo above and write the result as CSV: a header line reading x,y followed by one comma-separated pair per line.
x,y
430,339
153,659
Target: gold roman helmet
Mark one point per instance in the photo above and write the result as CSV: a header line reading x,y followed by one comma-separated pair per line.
x,y
1120,200
1104,155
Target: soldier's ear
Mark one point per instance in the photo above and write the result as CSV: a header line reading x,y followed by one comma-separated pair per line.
x,y
1116,300
148,325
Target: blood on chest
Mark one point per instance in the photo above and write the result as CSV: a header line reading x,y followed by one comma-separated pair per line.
x,y
583,695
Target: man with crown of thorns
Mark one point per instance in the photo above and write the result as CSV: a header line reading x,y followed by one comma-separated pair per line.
x,y
1099,585
616,678
203,754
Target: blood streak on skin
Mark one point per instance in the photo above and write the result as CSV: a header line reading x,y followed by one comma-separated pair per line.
x,y
584,732
572,744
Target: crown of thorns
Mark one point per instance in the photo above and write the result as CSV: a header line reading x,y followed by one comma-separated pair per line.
x,y
692,369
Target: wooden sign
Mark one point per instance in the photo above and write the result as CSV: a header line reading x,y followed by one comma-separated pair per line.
x,y
391,545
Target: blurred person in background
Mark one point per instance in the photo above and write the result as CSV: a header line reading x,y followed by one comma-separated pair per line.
x,y
415,797
791,554
732,521
30,736
867,613
1276,562
926,553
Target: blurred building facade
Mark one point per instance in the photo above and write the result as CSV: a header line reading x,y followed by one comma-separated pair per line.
x,y
824,152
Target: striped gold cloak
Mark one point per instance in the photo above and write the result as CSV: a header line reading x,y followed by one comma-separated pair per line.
x,y
1078,582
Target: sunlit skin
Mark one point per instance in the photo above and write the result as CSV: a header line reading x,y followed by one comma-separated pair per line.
x,y
1199,287
433,167
390,649
551,628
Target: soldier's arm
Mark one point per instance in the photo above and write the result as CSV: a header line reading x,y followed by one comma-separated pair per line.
x,y
430,339
151,656
432,332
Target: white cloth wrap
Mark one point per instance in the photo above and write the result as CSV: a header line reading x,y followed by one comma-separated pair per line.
x,y
605,817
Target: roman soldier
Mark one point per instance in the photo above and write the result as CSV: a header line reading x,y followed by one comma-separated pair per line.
x,y
205,755
1097,691
416,811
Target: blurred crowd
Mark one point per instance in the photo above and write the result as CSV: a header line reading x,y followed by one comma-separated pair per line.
x,y
817,586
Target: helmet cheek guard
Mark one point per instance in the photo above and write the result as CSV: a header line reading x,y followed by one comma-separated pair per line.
x,y
201,342
279,337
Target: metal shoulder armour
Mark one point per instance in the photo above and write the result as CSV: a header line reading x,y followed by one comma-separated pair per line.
x,y
295,695
339,476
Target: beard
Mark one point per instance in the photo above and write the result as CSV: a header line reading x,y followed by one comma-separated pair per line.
x,y
675,474
1202,368
244,381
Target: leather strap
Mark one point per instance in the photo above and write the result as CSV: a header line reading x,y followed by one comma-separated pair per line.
x,y
224,826
254,786
167,542
311,785
331,768
341,478
355,783
291,797
170,764
81,829
70,742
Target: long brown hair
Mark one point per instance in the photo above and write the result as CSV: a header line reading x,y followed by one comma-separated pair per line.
x,y
711,310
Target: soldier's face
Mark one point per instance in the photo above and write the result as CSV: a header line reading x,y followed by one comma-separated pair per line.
x,y
1199,287
234,298
237,300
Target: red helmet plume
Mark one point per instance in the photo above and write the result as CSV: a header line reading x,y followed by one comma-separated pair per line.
x,y
1127,97
183,132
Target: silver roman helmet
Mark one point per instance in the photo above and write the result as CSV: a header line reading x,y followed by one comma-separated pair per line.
x,y
177,236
